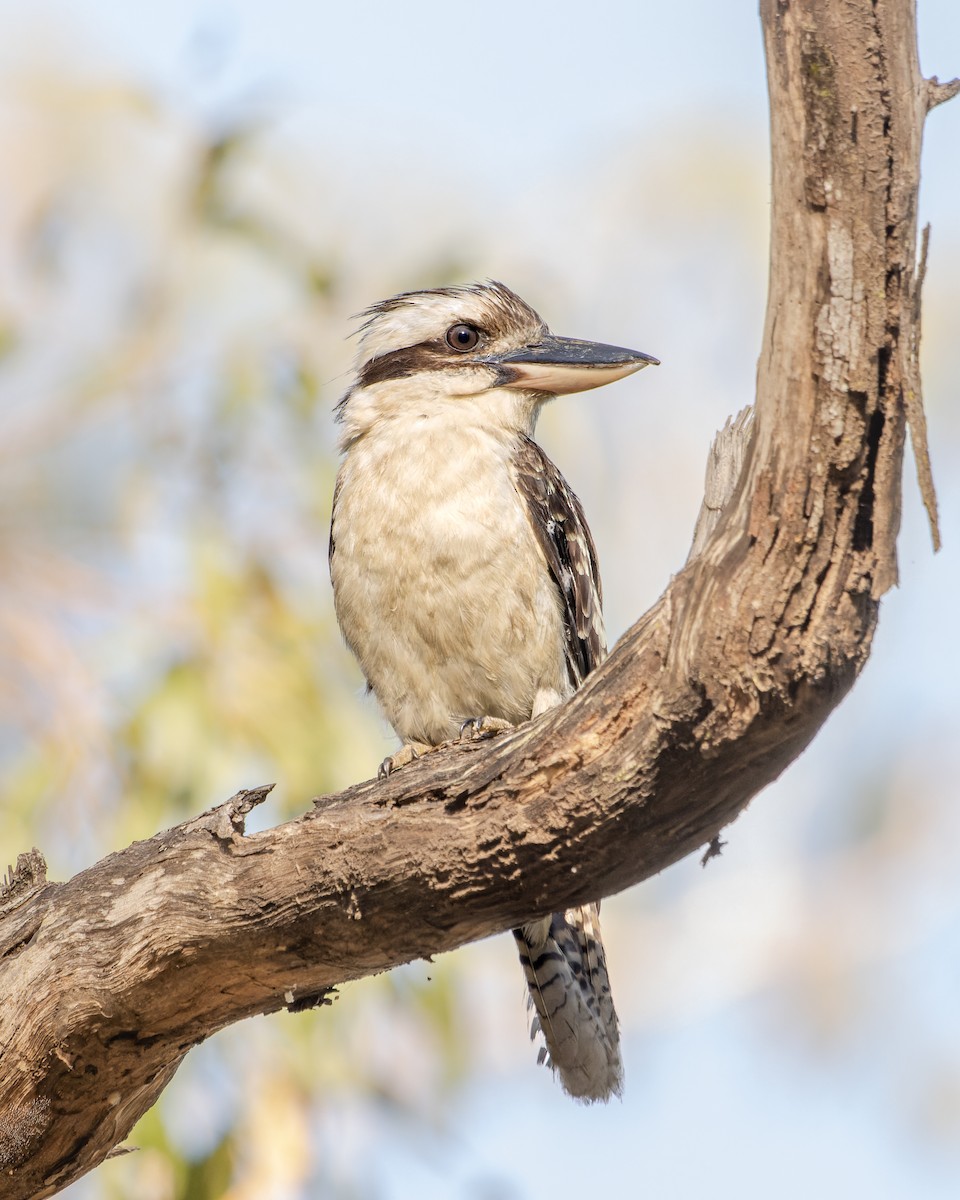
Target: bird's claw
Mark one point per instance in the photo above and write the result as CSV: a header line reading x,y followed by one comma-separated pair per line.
x,y
406,754
477,729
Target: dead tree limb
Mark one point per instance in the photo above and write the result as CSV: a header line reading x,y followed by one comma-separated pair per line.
x,y
109,979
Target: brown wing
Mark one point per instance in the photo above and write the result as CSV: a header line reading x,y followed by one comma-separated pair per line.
x,y
560,525
331,545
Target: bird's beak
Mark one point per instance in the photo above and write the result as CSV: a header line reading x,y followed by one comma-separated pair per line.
x,y
561,365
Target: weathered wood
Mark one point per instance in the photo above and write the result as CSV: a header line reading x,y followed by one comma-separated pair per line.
x,y
107,980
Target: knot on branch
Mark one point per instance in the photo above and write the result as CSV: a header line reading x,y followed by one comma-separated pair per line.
x,y
29,874
724,467
940,93
228,820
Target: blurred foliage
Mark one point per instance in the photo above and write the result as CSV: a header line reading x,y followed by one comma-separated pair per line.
x,y
166,635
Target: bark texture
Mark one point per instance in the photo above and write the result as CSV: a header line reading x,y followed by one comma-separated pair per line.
x,y
107,980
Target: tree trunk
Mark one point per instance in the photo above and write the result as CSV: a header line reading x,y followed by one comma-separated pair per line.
x,y
109,979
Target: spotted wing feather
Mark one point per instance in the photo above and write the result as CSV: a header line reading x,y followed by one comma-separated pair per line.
x,y
561,529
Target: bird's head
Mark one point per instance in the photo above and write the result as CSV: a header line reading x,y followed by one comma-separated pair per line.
x,y
477,350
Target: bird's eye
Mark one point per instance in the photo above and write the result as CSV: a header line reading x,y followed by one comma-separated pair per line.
x,y
462,337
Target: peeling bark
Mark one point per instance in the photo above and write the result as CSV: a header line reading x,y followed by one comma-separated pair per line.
x,y
110,978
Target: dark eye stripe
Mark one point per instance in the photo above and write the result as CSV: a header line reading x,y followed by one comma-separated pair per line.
x,y
398,364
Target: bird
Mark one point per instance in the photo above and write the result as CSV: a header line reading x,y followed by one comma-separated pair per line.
x,y
465,576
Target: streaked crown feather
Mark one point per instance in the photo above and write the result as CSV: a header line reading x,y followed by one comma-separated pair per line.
x,y
414,317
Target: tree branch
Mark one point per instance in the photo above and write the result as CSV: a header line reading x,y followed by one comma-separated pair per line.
x,y
109,979
724,467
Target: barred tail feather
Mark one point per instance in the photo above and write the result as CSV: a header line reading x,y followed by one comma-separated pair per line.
x,y
566,972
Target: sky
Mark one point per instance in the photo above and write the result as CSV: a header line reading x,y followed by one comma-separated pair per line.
x,y
509,108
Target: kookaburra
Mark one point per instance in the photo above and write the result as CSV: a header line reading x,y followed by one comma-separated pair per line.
x,y
465,578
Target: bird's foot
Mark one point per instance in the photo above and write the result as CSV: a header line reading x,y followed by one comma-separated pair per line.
x,y
478,729
406,754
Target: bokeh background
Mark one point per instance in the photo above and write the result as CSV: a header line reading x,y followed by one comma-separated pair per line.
x,y
195,198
